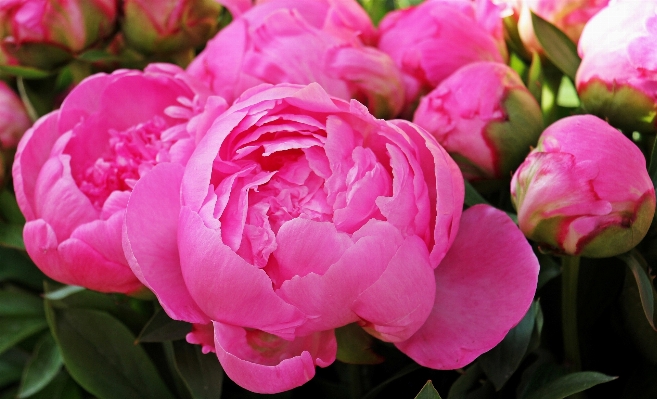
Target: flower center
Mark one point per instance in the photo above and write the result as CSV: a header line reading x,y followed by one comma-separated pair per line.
x,y
132,153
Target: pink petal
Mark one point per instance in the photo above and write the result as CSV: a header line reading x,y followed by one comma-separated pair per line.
x,y
307,246
399,302
150,240
264,363
75,262
445,184
327,299
484,286
33,151
225,286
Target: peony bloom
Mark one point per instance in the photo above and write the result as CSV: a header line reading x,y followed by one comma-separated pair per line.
x,y
485,118
14,120
75,169
47,33
302,41
168,26
299,213
568,15
617,79
584,190
432,40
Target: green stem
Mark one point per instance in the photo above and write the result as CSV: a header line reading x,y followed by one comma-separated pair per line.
x,y
569,277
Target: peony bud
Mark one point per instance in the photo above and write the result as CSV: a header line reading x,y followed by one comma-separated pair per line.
x,y
568,15
584,190
47,33
14,120
484,117
617,78
168,26
432,40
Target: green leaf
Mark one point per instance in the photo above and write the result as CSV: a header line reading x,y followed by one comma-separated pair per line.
x,y
570,384
14,329
535,78
201,373
501,362
401,373
558,47
11,366
16,266
377,9
9,208
428,392
19,303
472,196
355,346
646,289
24,72
549,269
100,354
42,368
567,96
97,56
11,236
63,292
61,387
162,328
467,382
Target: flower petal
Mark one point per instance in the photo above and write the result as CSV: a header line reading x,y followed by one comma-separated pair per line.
x,y
150,240
484,286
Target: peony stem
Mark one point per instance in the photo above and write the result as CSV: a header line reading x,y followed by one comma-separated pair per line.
x,y
570,273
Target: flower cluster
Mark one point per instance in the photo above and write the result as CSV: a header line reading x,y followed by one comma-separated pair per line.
x,y
265,195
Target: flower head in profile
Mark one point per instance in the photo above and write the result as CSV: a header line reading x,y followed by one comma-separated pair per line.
x,y
76,167
584,190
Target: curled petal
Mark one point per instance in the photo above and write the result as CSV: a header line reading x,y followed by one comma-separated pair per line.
x,y
264,363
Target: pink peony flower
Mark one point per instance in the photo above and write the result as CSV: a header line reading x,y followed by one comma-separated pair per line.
x,y
432,40
302,41
485,118
167,26
299,213
46,33
75,169
568,15
584,190
617,79
14,120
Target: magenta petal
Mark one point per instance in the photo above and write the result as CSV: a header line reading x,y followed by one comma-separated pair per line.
x,y
225,286
327,299
33,151
264,363
399,302
150,240
484,286
307,246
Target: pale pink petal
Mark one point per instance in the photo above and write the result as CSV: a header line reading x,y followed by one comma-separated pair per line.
x,y
484,286
225,286
150,241
264,363
202,334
